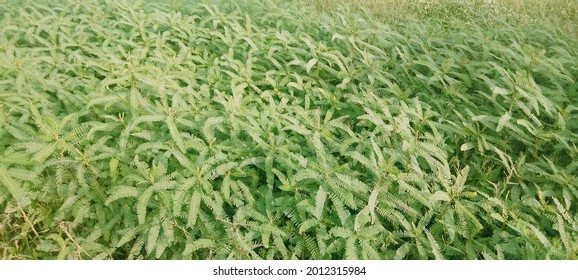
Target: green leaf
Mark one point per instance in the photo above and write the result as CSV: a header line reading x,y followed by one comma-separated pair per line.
x,y
498,217
197,245
461,179
351,248
113,166
175,134
287,188
128,236
308,224
22,174
194,208
341,232
543,239
434,245
320,202
504,119
466,146
142,203
402,251
310,64
144,198
121,192
152,238
14,188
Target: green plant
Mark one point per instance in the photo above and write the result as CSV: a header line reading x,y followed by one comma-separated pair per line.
x,y
134,130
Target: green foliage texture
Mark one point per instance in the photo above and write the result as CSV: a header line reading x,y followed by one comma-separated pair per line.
x,y
245,130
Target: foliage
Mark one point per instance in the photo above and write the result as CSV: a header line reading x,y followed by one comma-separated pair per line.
x,y
237,131
532,13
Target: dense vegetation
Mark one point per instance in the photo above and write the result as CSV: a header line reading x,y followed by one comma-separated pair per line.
x,y
283,130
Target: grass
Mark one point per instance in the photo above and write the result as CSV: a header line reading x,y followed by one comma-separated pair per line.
x,y
547,14
246,130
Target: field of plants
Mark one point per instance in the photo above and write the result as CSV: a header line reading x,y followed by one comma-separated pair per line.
x,y
288,130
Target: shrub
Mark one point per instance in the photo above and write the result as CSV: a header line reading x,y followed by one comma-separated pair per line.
x,y
232,131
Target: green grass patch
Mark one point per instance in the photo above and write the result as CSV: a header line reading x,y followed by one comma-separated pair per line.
x,y
138,130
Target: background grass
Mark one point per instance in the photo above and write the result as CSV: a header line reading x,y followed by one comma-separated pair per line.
x,y
288,130
560,14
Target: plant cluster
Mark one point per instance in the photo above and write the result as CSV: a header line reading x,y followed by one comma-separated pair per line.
x,y
231,131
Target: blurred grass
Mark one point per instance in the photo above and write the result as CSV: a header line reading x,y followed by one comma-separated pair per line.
x,y
560,14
